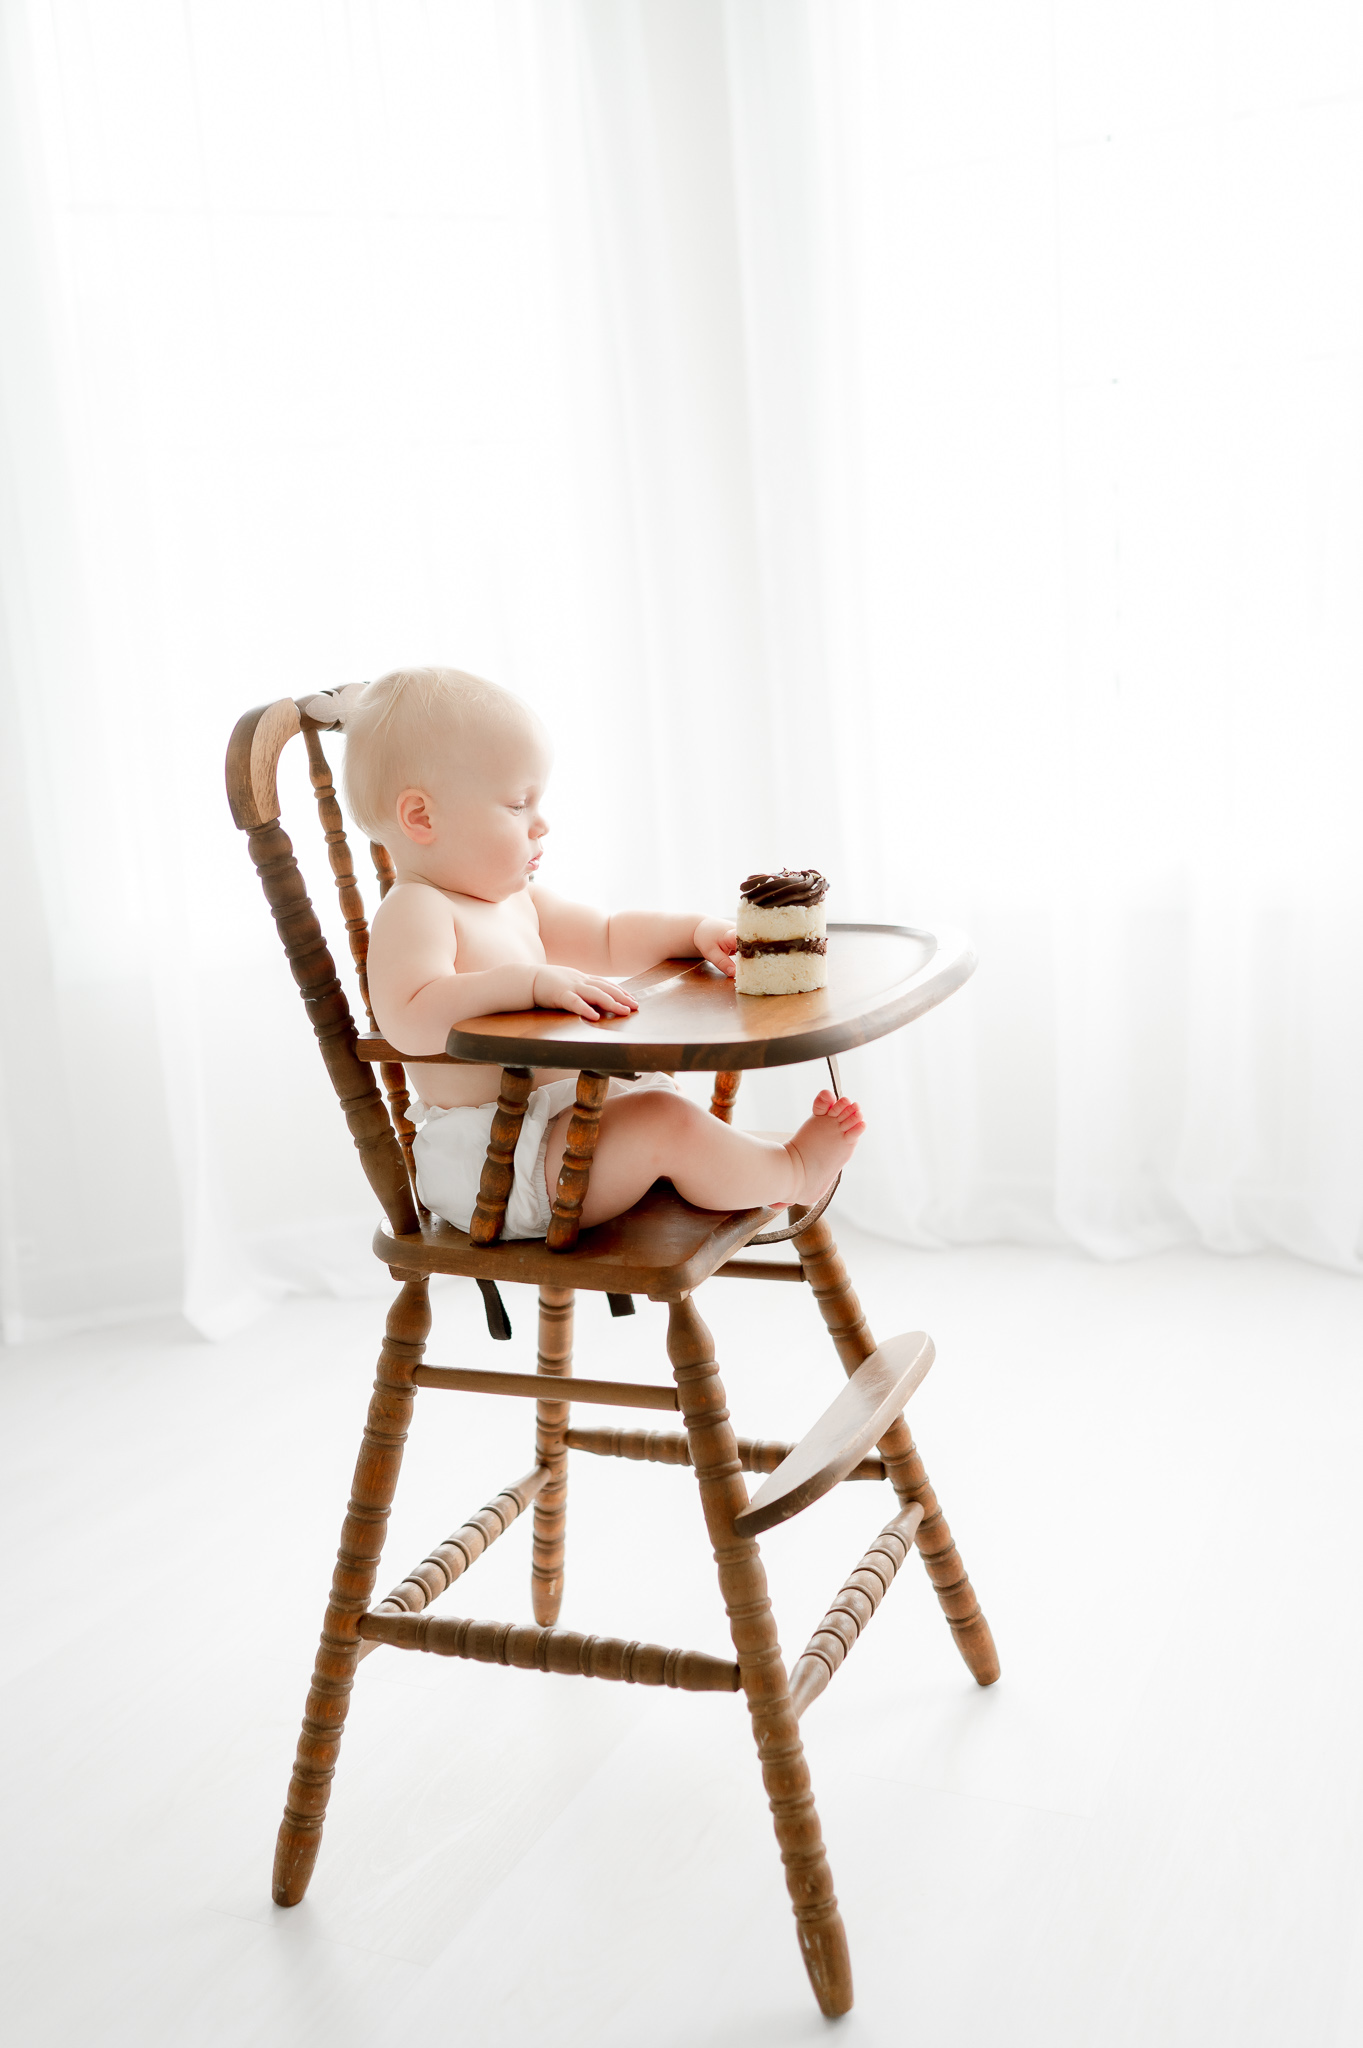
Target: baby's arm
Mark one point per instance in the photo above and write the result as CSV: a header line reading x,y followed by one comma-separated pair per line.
x,y
629,940
417,995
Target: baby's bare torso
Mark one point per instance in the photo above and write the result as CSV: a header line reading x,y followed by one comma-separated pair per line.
x,y
482,935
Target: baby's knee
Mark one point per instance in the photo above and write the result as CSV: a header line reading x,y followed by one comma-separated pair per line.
x,y
659,1122
660,1110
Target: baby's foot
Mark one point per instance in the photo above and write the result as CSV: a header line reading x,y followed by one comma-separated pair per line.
x,y
823,1145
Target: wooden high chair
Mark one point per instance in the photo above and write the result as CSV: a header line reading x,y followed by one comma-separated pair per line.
x,y
689,1017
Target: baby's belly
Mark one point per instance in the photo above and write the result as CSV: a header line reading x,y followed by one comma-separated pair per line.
x,y
467,1087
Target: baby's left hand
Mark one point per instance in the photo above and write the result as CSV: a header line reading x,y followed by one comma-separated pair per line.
x,y
716,940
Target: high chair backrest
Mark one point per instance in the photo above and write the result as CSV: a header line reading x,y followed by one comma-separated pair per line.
x,y
382,1134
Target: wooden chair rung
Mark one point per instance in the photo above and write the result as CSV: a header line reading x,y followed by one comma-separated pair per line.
x,y
856,1603
669,1447
452,1558
868,1405
759,1269
526,1648
539,1386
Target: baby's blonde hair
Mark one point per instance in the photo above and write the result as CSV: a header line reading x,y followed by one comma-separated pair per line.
x,y
395,725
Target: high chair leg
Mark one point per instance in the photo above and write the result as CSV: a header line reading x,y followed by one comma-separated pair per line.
x,y
551,1449
352,1586
841,1311
743,1583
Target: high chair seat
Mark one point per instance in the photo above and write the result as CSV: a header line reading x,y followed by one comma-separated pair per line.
x,y
880,978
662,1248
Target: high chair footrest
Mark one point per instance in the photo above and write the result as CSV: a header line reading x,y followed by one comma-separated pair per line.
x,y
861,1414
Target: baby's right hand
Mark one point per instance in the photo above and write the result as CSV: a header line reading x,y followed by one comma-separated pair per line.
x,y
586,995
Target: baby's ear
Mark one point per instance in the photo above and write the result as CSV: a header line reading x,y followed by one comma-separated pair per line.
x,y
331,708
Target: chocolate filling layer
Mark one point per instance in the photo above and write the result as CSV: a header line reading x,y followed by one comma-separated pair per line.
x,y
792,885
751,948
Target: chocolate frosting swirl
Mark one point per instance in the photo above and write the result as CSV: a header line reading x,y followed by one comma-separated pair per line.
x,y
792,885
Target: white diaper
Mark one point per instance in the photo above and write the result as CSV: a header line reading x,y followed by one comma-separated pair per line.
x,y
450,1147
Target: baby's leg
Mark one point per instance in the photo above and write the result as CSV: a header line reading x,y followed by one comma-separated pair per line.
x,y
656,1133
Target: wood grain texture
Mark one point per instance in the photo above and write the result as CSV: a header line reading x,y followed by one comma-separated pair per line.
x,y
499,1167
394,1080
383,866
847,1326
555,1361
555,1649
258,739
743,1585
477,1379
666,1447
451,1559
329,1013
858,1600
723,1094
661,1248
374,1047
874,1395
352,1588
690,1019
342,866
357,932
575,1172
760,1269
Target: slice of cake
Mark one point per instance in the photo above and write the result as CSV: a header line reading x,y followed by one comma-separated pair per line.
x,y
782,948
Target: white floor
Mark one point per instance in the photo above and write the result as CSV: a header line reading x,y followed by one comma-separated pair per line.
x,y
1151,1831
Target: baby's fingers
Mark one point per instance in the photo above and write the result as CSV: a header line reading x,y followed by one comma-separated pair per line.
x,y
611,998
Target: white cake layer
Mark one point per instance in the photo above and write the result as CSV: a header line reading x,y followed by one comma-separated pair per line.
x,y
780,974
782,920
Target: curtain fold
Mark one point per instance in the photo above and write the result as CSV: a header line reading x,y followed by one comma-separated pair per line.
x,y
922,442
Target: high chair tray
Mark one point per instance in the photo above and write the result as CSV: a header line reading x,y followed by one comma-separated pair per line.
x,y
880,976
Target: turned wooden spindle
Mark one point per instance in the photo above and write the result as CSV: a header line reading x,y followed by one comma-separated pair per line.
x,y
743,1585
383,866
329,1012
449,1560
860,1596
575,1171
357,930
394,1078
555,1649
499,1167
665,1447
342,866
722,1099
352,1587
847,1326
551,1449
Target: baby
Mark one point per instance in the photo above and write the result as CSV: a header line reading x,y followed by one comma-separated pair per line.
x,y
449,773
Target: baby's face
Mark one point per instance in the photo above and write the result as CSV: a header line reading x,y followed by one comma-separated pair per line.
x,y
476,827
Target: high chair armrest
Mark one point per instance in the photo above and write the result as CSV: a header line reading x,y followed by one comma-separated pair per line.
x,y
375,1050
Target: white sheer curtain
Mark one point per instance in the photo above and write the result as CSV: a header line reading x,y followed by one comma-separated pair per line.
x,y
923,441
